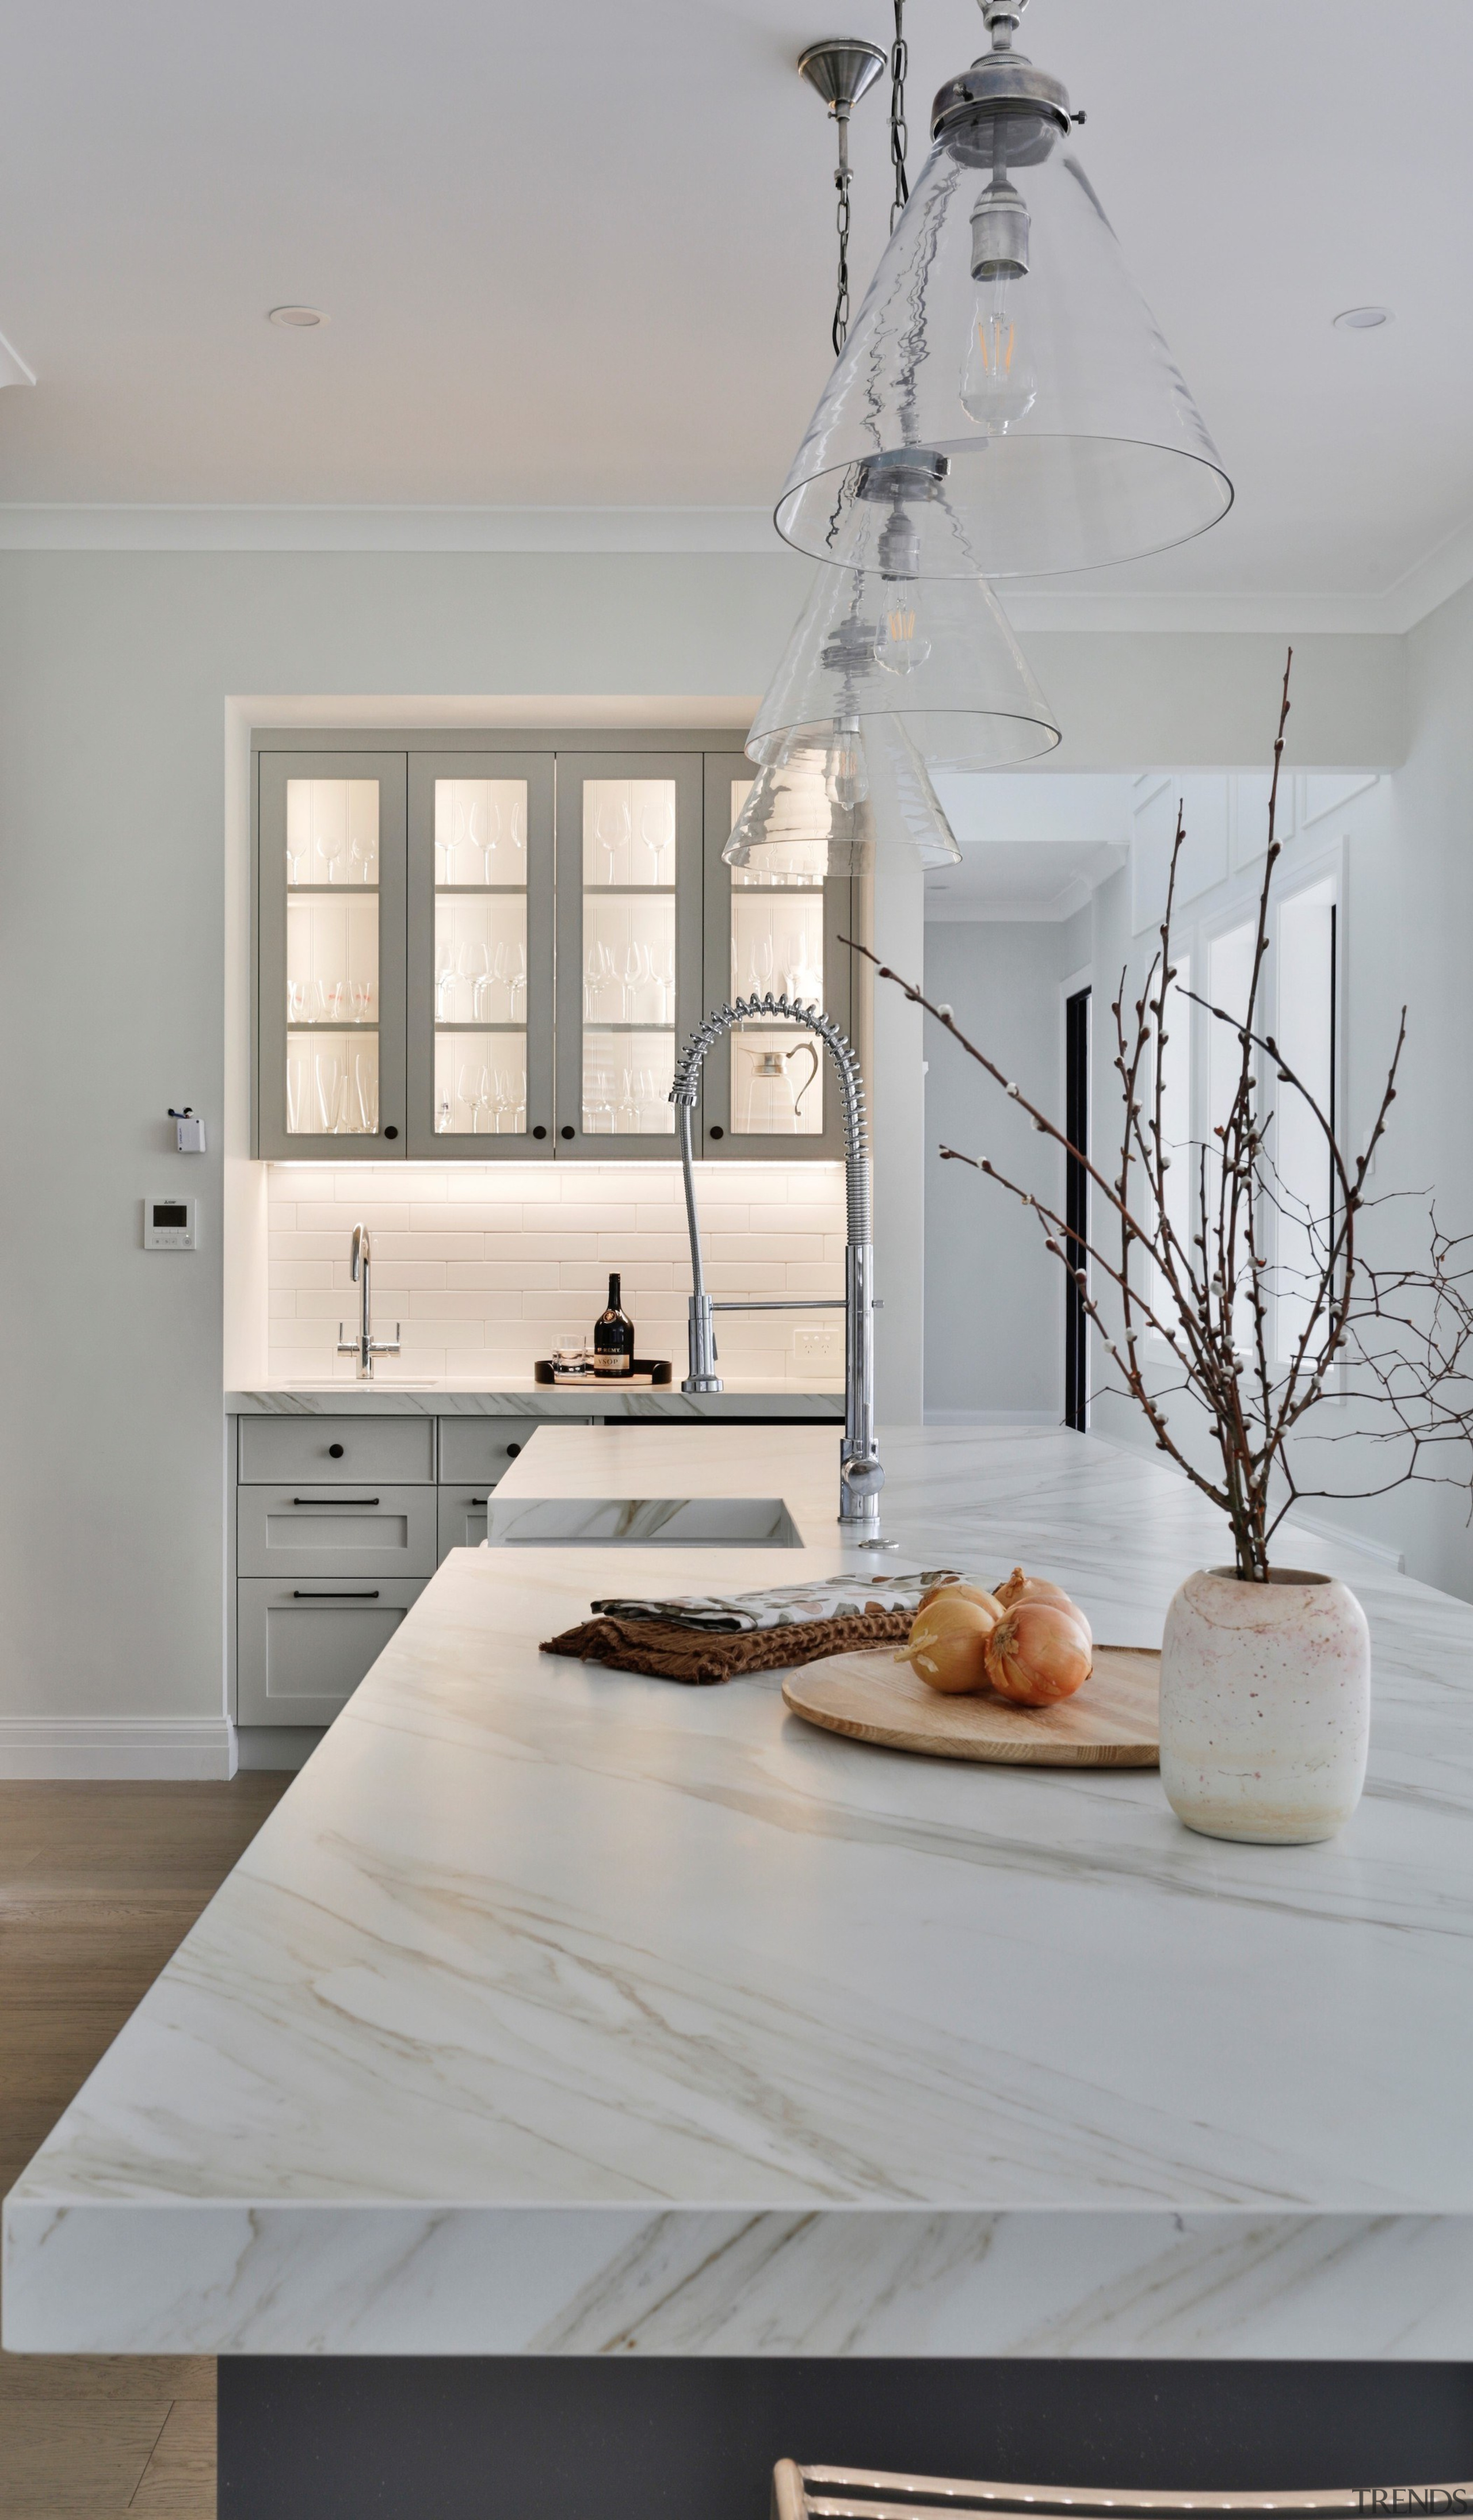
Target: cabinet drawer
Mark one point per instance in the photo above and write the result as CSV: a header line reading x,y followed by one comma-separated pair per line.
x,y
479,1451
323,1530
349,1449
462,1517
302,1650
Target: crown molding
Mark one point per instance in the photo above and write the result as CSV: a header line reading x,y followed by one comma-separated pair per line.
x,y
99,527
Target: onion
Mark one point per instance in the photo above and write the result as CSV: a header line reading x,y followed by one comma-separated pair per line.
x,y
1035,1588
962,1593
1038,1654
947,1644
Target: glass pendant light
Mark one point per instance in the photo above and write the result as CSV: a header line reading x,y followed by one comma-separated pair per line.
x,y
1005,400
936,656
820,813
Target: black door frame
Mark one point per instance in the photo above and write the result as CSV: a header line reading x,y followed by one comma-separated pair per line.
x,y
1076,1206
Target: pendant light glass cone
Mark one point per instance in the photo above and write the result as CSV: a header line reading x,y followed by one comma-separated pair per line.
x,y
933,657
1004,404
793,828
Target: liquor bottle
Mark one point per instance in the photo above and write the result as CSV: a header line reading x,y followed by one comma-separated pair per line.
x,y
614,1334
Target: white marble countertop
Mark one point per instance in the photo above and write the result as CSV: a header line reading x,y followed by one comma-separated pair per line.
x,y
513,1397
558,2010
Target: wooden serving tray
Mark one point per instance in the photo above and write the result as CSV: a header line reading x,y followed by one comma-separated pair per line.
x,y
1112,1721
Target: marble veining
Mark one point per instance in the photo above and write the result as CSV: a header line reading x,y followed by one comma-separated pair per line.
x,y
513,1398
562,2010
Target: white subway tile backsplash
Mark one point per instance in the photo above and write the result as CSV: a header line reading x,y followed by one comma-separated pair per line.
x,y
489,1267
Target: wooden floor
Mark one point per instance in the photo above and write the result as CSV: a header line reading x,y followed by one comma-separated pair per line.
x,y
98,1885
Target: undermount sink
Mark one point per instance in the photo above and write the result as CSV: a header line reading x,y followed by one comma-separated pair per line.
x,y
642,1522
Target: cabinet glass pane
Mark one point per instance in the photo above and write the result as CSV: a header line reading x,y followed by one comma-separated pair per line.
x,y
480,1084
480,958
777,947
332,966
629,828
480,832
332,1084
629,831
331,831
627,1076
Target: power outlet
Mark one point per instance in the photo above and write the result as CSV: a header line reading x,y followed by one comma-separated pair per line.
x,y
817,1345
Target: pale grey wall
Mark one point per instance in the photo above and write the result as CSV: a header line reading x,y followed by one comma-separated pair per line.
x,y
114,673
995,1299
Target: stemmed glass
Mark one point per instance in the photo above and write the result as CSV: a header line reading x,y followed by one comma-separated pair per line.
x,y
635,972
490,839
663,974
363,850
331,996
761,965
508,1100
470,1086
516,977
474,966
598,1101
331,840
446,974
611,826
314,1002
598,971
363,1001
657,827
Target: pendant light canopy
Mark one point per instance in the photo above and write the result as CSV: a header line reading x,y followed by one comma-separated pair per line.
x,y
1004,404
939,660
805,819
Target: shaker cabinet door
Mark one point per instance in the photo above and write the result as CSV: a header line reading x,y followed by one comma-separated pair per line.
x,y
629,946
302,1646
331,956
480,956
769,1088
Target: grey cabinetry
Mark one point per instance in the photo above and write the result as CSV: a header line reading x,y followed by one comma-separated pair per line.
x,y
475,1453
482,948
336,1535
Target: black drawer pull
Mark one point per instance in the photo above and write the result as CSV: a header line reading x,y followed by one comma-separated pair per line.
x,y
336,1597
335,1499
478,1499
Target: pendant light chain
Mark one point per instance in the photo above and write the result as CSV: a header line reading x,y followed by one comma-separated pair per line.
x,y
841,181
900,63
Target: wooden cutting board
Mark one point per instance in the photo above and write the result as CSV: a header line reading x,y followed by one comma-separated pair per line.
x,y
1112,1721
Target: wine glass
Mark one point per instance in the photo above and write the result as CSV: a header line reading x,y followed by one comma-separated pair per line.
x,y
445,975
516,977
508,1100
299,828
636,970
629,1118
295,996
362,851
514,827
468,1086
664,974
611,824
598,971
473,966
314,1002
490,835
331,840
332,993
760,967
598,1098
657,824
363,1000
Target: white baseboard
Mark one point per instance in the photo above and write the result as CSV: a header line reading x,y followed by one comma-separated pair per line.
x,y
141,1747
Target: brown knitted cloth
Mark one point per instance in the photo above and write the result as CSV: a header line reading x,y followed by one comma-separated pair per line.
x,y
670,1653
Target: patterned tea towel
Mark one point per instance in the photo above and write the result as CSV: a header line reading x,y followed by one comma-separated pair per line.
x,y
787,1606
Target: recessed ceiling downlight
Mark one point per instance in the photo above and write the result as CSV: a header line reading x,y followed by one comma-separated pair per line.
x,y
1363,319
298,318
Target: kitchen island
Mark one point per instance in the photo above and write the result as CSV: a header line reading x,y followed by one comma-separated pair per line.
x,y
736,2090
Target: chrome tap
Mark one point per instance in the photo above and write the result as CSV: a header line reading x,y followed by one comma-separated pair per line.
x,y
861,1476
365,1346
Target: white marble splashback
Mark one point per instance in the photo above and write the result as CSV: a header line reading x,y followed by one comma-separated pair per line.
x,y
490,1266
560,2011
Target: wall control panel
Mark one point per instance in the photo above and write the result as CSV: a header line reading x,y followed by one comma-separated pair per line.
x,y
168,1224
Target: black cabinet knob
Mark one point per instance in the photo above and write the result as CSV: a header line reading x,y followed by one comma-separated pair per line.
x,y
717,1132
390,1133
539,1131
567,1130
513,1449
334,1452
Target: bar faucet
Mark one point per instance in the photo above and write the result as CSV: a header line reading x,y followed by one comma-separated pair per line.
x,y
365,1346
861,1476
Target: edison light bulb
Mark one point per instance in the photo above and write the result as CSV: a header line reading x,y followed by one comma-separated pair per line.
x,y
998,381
846,778
900,642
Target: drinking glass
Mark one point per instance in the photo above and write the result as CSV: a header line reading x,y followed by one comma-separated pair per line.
x,y
332,999
629,1118
328,1071
467,1084
363,1001
516,977
490,835
598,1101
509,1113
363,1104
664,975
761,965
314,1002
598,971
331,840
657,830
475,969
294,999
362,852
445,977
611,826
636,970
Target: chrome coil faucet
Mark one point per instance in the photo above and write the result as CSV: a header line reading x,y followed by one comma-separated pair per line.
x,y
365,1346
861,1476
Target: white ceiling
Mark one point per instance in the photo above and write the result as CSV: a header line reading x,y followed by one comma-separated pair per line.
x,y
1035,844
577,256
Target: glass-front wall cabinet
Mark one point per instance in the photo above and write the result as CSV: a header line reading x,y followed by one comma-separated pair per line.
x,y
485,950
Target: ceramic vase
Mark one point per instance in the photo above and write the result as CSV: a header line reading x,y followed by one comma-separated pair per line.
x,y
1264,1705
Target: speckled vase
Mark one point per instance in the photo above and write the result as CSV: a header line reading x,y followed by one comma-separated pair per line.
x,y
1264,1705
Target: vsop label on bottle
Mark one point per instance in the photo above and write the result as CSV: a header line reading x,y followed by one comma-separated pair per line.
x,y
614,1334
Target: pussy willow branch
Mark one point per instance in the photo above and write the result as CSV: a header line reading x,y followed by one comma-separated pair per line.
x,y
1225,1274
